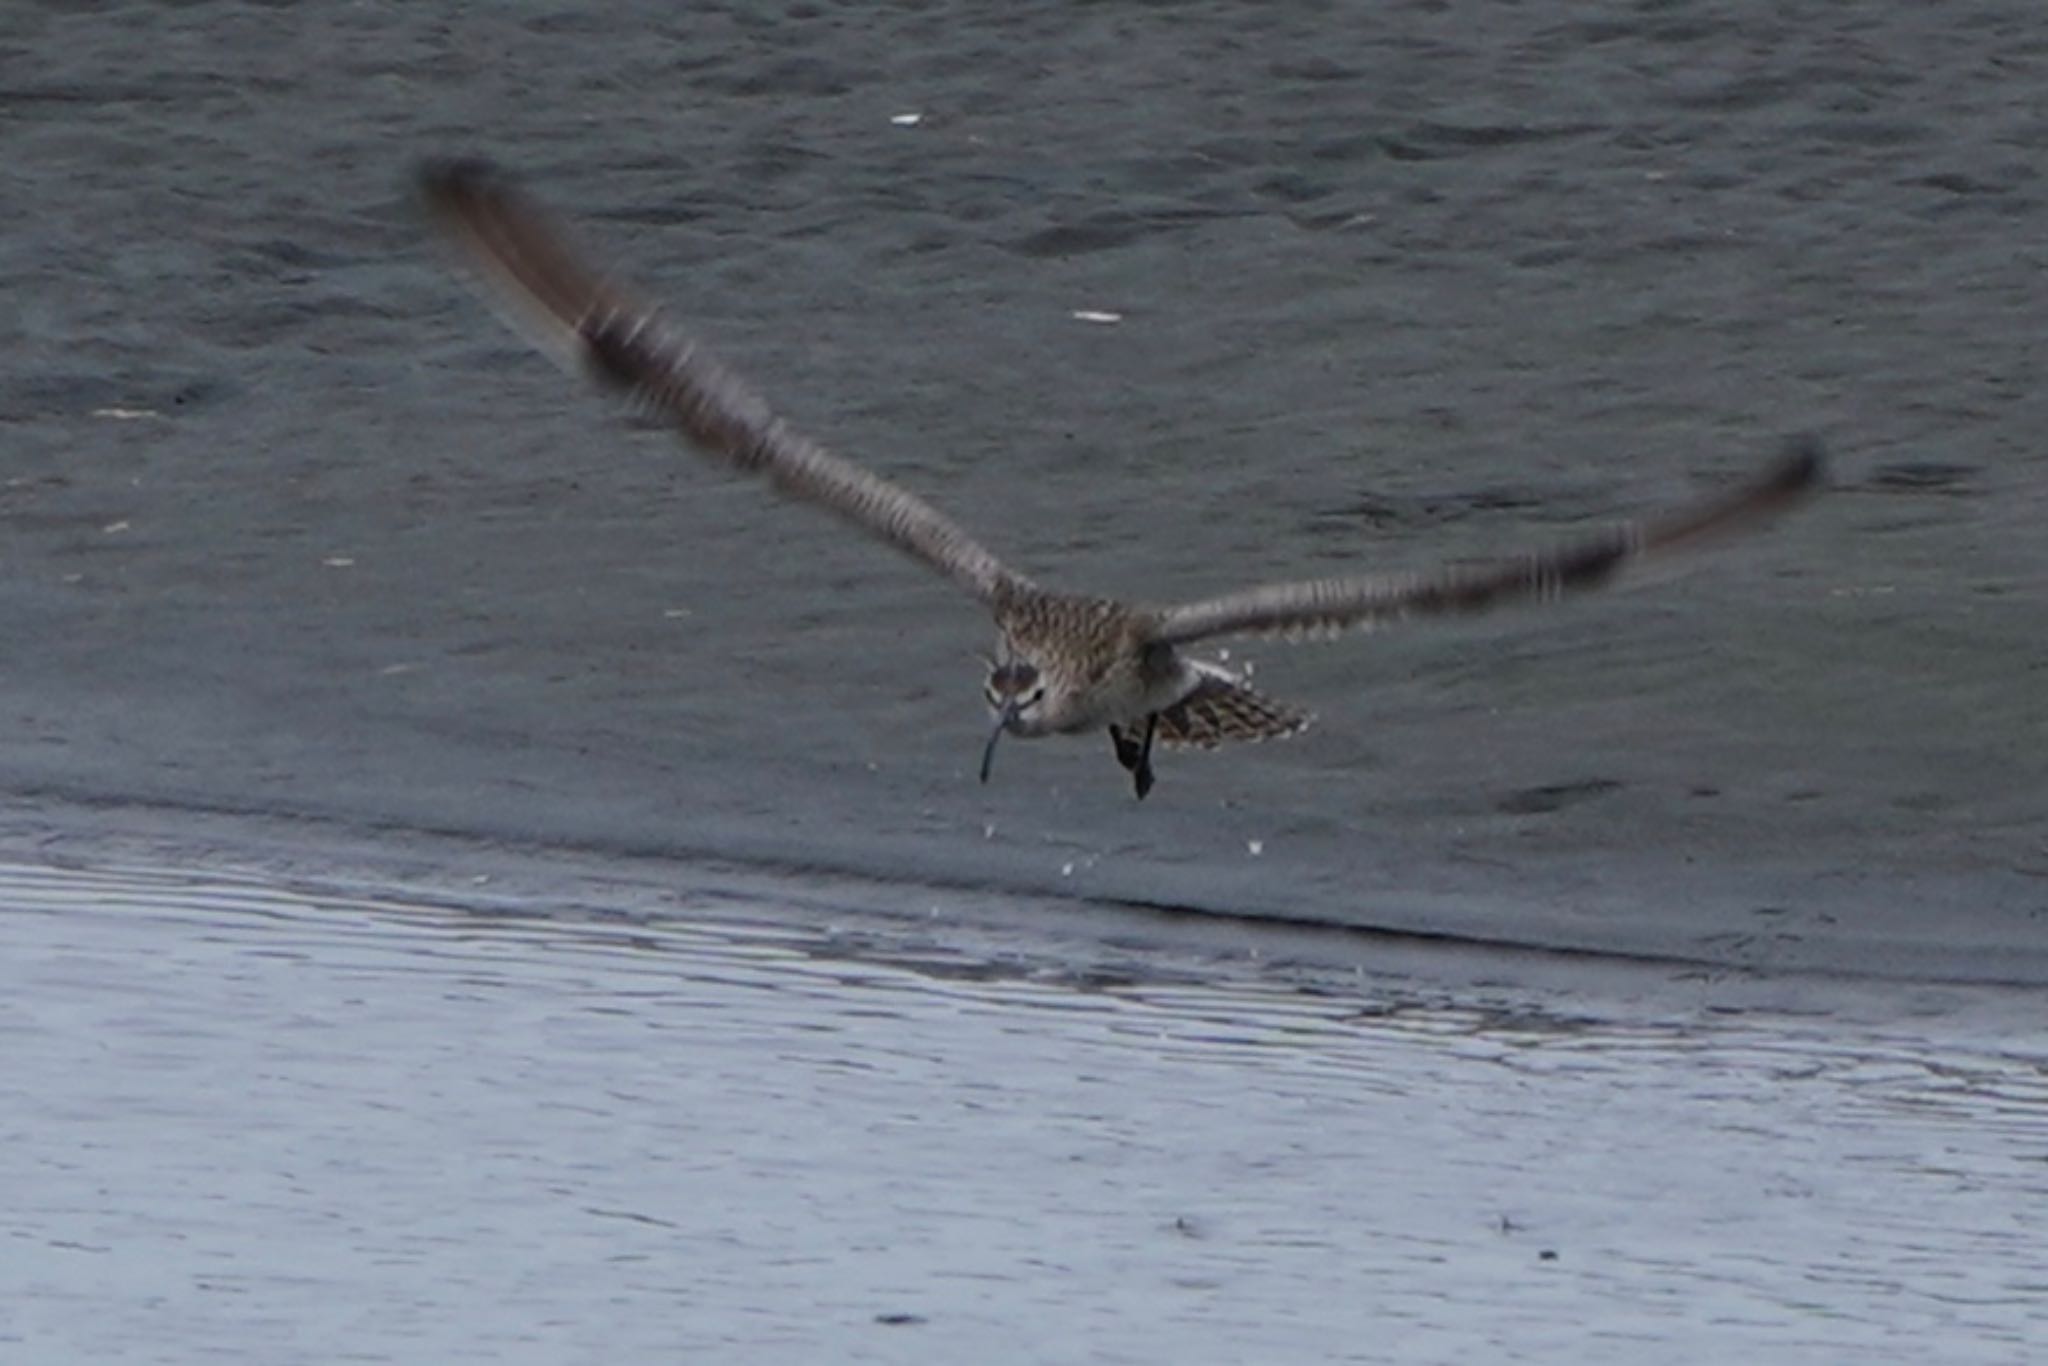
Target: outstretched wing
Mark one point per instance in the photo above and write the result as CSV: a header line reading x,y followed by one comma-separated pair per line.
x,y
1325,606
589,322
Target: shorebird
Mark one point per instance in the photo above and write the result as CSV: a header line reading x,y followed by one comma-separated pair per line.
x,y
1064,664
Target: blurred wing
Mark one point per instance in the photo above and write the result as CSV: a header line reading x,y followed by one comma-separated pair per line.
x,y
1327,606
589,323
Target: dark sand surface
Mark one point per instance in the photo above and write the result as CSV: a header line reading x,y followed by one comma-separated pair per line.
x,y
292,528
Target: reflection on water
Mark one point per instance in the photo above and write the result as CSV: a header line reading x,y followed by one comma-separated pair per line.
x,y
244,1122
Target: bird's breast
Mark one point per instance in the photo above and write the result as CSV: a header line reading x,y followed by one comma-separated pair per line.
x,y
1126,692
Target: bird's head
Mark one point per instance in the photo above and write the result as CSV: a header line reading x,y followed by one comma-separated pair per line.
x,y
1016,697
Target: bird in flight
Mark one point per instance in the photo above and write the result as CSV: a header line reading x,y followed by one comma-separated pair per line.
x,y
1064,664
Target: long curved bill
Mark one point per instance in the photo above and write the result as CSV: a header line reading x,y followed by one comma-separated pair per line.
x,y
988,752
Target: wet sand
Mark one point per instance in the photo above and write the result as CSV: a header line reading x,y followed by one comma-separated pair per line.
x,y
294,530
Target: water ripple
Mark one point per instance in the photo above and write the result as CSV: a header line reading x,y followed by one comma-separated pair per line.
x,y
285,1120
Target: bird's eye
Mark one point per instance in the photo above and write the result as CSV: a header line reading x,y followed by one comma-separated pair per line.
x,y
1037,696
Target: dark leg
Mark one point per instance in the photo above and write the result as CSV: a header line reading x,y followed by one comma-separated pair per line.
x,y
1128,751
1136,755
1141,771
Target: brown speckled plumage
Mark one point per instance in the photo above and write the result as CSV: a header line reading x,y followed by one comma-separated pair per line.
x,y
1220,709
1066,664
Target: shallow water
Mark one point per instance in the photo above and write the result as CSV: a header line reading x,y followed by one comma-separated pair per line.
x,y
246,1123
297,529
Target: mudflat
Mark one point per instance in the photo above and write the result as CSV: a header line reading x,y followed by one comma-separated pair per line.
x,y
1156,301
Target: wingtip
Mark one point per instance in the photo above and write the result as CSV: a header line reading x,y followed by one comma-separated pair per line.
x,y
448,184
510,247
1803,466
1799,472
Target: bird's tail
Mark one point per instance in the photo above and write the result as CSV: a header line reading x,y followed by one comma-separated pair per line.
x,y
1221,707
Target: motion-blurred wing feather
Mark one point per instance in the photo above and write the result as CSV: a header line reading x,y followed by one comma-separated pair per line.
x,y
1326,606
589,323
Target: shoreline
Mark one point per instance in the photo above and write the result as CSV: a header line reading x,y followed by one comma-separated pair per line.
x,y
1053,935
